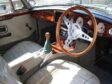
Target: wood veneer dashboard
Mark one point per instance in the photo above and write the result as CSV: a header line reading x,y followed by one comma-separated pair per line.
x,y
53,15
46,15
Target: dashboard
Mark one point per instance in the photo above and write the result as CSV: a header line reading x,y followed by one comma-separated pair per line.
x,y
52,15
104,23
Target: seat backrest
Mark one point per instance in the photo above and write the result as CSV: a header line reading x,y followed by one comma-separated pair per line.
x,y
6,74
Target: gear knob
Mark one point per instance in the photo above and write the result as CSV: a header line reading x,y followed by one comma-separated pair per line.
x,y
47,35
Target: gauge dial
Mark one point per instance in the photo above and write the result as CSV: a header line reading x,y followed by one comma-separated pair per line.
x,y
110,31
80,21
101,28
89,22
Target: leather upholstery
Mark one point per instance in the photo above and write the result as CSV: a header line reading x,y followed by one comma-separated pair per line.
x,y
23,48
63,72
7,76
24,53
57,72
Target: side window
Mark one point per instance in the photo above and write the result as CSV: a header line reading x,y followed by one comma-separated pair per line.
x,y
17,4
5,7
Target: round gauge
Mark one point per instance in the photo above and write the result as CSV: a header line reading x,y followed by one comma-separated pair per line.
x,y
101,28
80,21
110,31
89,22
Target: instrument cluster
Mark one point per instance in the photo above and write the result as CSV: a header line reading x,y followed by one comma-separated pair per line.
x,y
104,28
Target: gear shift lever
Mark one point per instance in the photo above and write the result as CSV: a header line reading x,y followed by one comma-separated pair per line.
x,y
47,46
47,50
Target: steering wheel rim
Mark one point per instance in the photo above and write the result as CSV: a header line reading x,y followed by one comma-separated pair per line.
x,y
58,28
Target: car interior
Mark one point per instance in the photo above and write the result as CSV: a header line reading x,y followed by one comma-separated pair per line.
x,y
55,42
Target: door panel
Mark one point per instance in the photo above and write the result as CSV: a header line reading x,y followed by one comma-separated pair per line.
x,y
17,27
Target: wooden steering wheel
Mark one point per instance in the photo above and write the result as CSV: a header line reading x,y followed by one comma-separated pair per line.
x,y
75,32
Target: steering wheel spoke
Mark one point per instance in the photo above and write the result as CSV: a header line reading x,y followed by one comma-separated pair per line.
x,y
66,21
67,42
84,36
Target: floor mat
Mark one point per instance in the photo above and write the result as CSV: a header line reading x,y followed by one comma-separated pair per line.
x,y
105,64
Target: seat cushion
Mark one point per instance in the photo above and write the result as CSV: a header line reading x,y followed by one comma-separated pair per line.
x,y
24,48
6,74
25,53
63,72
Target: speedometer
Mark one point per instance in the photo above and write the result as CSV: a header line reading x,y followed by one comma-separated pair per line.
x,y
80,21
101,28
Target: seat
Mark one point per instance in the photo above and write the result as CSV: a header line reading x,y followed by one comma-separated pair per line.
x,y
57,72
63,72
7,76
24,53
24,48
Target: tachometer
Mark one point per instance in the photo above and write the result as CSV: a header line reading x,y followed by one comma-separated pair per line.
x,y
80,21
101,28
